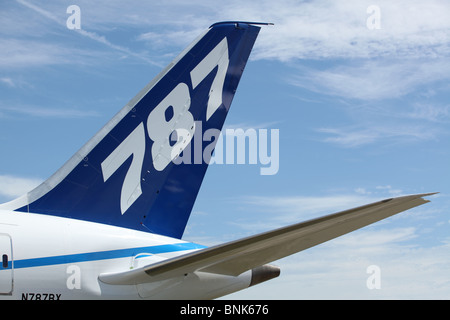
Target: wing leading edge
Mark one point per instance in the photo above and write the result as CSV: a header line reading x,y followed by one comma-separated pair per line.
x,y
236,257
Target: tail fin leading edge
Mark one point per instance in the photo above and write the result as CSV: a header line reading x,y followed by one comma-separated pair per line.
x,y
129,174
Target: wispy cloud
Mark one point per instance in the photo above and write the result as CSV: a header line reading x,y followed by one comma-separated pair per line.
x,y
8,81
430,112
287,210
13,186
85,33
407,270
101,39
361,135
28,53
278,211
319,272
388,100
373,79
40,10
42,112
337,29
303,30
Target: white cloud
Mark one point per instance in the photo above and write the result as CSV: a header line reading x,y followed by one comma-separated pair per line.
x,y
375,238
12,187
101,39
285,210
331,29
35,52
8,81
338,269
430,112
368,133
280,211
25,53
303,30
349,137
410,268
373,79
390,100
43,112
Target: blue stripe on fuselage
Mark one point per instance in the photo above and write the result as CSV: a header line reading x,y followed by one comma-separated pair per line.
x,y
102,255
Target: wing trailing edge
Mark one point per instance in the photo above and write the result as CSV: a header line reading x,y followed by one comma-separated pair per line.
x,y
236,257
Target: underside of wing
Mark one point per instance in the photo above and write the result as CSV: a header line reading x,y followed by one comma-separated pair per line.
x,y
236,257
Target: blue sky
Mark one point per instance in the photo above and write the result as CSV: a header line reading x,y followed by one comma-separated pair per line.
x,y
363,114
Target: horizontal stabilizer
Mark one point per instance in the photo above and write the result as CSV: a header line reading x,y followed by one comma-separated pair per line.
x,y
236,257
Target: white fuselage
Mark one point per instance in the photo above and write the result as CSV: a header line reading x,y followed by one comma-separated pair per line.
x,y
49,258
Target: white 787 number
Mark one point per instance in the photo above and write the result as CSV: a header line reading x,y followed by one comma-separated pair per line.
x,y
159,128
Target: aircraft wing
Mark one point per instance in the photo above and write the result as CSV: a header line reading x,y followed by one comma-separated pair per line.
x,y
236,257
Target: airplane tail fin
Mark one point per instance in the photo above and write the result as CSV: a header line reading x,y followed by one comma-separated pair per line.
x,y
142,169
